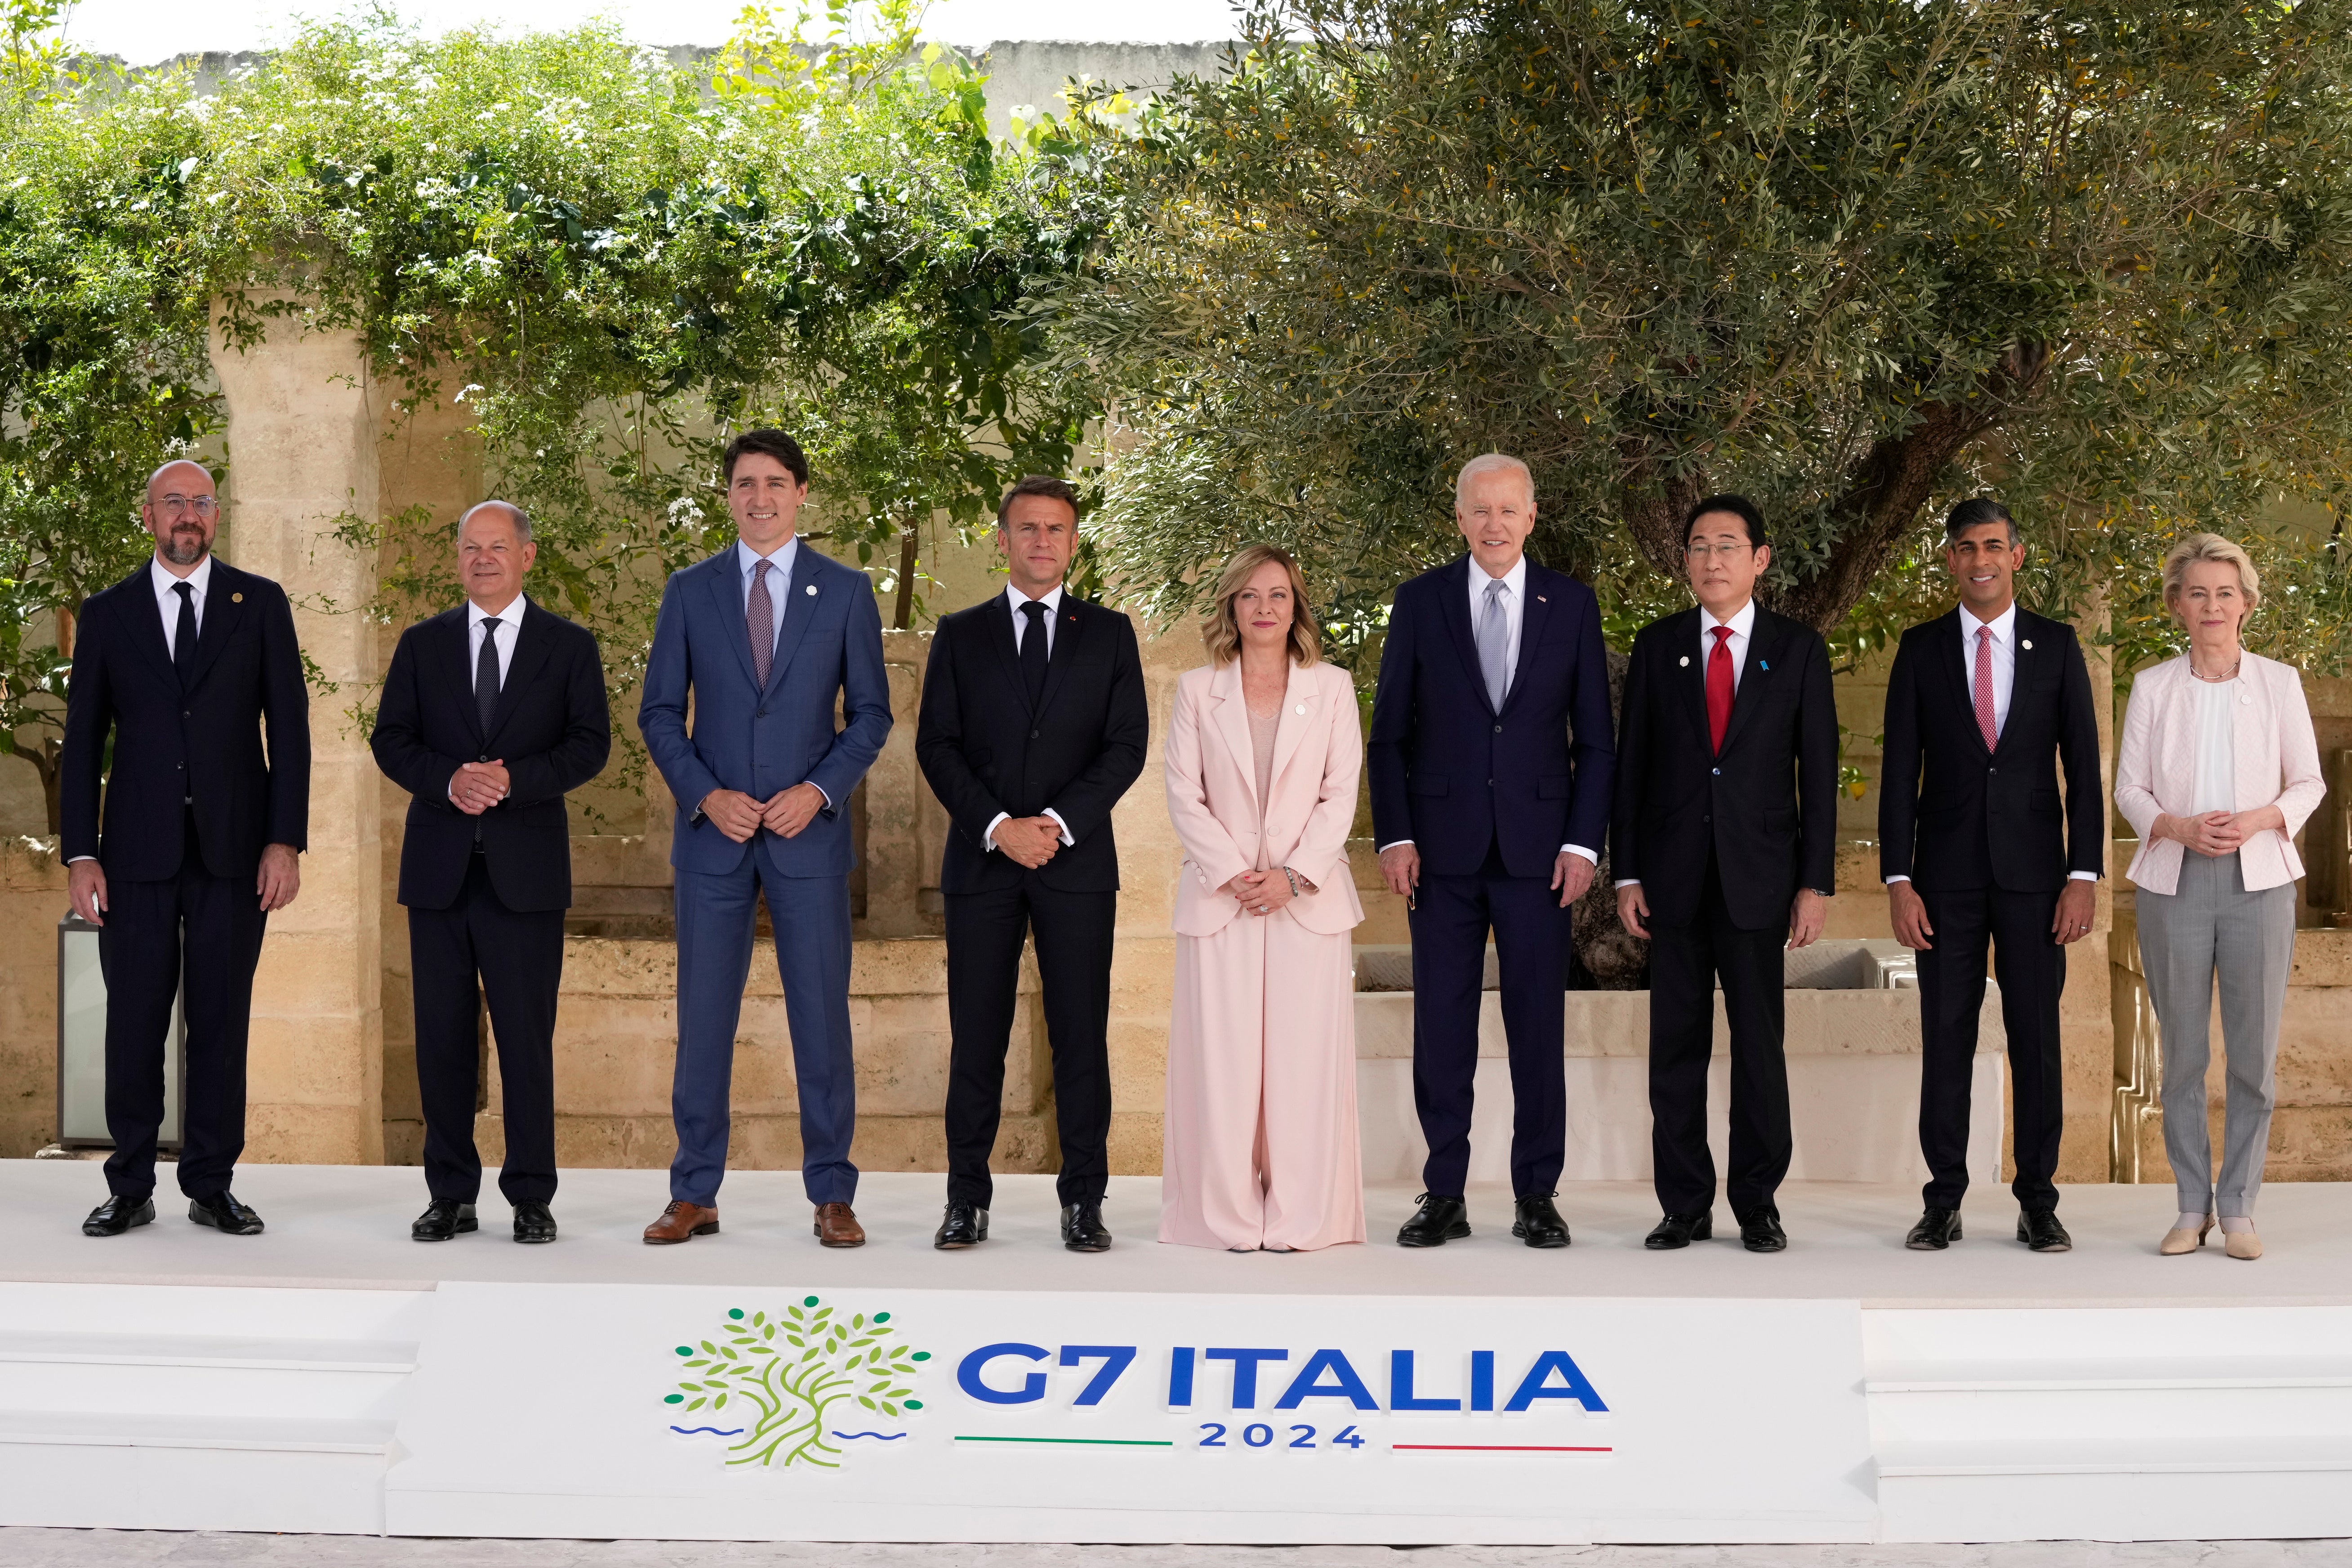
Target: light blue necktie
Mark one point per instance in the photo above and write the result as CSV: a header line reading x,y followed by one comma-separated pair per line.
x,y
1495,644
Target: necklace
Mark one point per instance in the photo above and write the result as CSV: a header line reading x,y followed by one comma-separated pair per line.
x,y
2216,680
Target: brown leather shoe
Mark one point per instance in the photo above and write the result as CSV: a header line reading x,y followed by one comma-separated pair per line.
x,y
681,1220
837,1226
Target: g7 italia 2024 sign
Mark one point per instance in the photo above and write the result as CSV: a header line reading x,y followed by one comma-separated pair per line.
x,y
848,1414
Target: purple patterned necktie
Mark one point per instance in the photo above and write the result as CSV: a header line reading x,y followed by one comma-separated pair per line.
x,y
759,619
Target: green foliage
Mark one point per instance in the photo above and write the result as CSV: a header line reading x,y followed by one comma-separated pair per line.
x,y
783,1373
1853,258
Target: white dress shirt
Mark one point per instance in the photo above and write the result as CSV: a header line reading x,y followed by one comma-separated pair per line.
x,y
2003,627
747,568
1052,599
509,621
1743,625
167,597
1515,599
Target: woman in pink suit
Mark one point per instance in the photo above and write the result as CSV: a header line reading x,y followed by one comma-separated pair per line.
x,y
1262,757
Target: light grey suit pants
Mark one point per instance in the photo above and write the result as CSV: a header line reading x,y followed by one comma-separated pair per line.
x,y
2209,926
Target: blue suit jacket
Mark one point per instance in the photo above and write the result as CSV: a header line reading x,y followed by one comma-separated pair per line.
x,y
761,741
1453,775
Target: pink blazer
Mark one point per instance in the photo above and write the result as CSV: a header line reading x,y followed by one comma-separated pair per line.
x,y
2278,765
1318,752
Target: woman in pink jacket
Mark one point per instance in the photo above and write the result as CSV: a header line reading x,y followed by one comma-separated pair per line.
x,y
2218,771
1262,756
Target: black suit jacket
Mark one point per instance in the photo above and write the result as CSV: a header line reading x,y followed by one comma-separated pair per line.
x,y
984,752
1952,815
1766,808
202,744
1455,776
551,727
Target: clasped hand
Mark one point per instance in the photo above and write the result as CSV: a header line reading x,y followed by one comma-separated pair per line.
x,y
1031,841
1264,892
2214,834
783,814
478,786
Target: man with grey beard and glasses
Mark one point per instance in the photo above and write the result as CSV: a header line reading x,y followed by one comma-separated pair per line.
x,y
191,666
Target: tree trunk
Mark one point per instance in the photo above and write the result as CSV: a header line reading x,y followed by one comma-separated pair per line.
x,y
904,614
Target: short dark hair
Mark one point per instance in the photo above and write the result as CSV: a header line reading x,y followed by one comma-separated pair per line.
x,y
770,443
1039,485
1738,506
1976,511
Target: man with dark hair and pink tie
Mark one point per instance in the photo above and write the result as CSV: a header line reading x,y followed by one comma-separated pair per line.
x,y
1724,845
1984,706
764,643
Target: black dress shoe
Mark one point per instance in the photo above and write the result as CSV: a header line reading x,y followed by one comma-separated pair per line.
x,y
1082,1227
1540,1224
443,1219
118,1214
2040,1229
1435,1223
1678,1230
224,1214
966,1225
1937,1229
1759,1231
533,1221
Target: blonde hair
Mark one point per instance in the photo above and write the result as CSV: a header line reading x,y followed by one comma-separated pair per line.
x,y
2210,547
1222,634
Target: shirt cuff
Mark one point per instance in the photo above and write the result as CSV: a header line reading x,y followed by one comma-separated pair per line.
x,y
1628,882
80,859
1579,849
1391,844
1068,842
988,833
829,799
1892,880
2081,876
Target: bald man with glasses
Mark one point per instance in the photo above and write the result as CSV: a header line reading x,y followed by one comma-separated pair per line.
x,y
191,668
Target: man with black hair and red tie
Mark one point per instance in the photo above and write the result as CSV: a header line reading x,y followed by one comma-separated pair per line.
x,y
1724,844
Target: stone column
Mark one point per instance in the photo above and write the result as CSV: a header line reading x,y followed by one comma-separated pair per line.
x,y
302,428
2087,1021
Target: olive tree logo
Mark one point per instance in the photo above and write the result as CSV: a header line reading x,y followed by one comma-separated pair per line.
x,y
779,1377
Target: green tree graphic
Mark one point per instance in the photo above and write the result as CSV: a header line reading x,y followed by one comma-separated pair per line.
x,y
792,1370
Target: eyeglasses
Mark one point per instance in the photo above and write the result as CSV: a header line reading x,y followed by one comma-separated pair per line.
x,y
197,506
1701,552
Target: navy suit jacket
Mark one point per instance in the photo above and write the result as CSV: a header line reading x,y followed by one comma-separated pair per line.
x,y
1453,775
828,655
550,727
202,744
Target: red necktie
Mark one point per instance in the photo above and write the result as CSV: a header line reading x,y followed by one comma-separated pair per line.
x,y
1984,689
1718,687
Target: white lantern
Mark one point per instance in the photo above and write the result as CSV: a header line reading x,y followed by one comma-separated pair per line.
x,y
81,1044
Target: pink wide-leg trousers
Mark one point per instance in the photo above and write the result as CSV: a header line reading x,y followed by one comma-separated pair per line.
x,y
1260,1132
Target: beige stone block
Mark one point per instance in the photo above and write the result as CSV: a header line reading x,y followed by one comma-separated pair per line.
x,y
597,966
617,1060
2322,957
311,1134
404,1141
401,1101
917,966
764,1082
1135,1143
288,1060
2314,1065
313,975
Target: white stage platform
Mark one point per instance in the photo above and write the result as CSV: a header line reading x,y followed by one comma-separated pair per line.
x,y
332,1375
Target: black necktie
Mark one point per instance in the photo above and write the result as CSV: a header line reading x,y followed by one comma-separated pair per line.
x,y
1033,652
486,675
183,635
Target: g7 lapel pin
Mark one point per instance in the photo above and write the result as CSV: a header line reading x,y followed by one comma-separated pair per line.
x,y
237,598
811,590
2027,645
1685,661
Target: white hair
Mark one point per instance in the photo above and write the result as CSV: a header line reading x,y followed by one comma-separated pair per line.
x,y
520,518
1491,463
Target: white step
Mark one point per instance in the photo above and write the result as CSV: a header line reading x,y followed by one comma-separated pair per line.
x,y
2030,1374
210,1350
273,1434
2115,1490
80,1469
2116,1455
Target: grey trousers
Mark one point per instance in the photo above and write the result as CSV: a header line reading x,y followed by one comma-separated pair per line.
x,y
2208,926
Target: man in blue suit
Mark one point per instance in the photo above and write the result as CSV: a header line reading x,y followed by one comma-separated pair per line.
x,y
764,638
1491,760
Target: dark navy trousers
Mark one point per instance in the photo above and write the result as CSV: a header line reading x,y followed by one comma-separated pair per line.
x,y
811,916
1451,917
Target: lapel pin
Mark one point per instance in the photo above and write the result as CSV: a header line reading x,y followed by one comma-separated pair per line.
x,y
1685,661
1764,665
1541,600
237,598
811,590
2027,645
1300,709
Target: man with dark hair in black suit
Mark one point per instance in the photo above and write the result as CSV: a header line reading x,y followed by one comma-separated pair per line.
x,y
1725,849
1983,707
492,713
1033,723
184,663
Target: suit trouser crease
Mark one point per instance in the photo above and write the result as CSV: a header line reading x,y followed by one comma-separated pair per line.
x,y
2209,928
208,928
1450,922
479,947
811,918
1686,961
1073,931
2031,966
1260,1146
